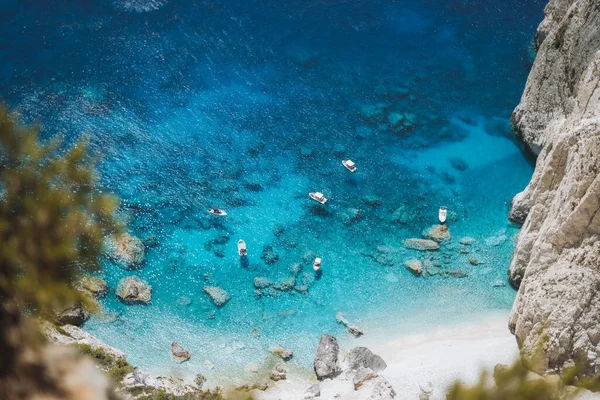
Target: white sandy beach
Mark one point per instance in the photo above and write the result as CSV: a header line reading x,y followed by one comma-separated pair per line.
x,y
440,357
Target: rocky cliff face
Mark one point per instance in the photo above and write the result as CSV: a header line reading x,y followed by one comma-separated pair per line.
x,y
556,263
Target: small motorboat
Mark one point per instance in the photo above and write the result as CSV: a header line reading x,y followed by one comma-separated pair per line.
x,y
317,264
217,211
442,213
349,164
318,196
242,251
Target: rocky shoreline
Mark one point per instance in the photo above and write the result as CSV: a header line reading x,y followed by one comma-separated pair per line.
x,y
557,253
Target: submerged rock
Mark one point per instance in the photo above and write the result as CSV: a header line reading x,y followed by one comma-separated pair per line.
x,y
133,290
363,357
467,241
372,200
421,244
439,233
260,282
415,266
218,296
351,216
352,329
459,164
403,215
285,285
456,273
179,353
269,256
125,249
326,359
278,373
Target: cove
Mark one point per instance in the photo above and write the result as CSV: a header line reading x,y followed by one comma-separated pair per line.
x,y
250,106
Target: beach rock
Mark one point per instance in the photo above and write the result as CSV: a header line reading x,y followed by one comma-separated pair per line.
x,y
76,315
313,391
372,200
260,282
179,353
362,376
278,373
382,390
285,285
326,358
421,244
282,353
415,266
439,233
467,241
352,329
133,290
93,287
218,296
363,357
126,250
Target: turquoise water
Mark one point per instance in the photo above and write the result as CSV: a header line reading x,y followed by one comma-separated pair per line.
x,y
250,106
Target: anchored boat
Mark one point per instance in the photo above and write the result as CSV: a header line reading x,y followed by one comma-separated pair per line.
x,y
317,264
242,251
318,196
442,213
349,164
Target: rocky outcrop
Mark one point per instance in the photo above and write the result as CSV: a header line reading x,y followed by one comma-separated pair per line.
x,y
133,290
126,250
93,287
362,357
179,353
76,315
326,361
556,261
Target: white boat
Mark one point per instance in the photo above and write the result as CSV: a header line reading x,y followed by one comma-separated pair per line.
x,y
317,264
442,214
242,251
318,196
349,164
217,211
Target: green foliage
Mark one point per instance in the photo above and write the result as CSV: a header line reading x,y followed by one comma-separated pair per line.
x,y
52,217
116,368
511,383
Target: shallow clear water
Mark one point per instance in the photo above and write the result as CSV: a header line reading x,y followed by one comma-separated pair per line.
x,y
251,105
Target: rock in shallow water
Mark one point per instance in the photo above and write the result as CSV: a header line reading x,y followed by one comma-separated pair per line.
x,y
415,266
93,287
282,353
421,244
439,233
218,296
179,353
133,290
125,249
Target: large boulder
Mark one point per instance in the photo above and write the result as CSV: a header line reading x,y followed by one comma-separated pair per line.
x,y
133,290
126,250
93,287
362,376
326,360
365,358
76,315
179,353
556,260
439,233
218,296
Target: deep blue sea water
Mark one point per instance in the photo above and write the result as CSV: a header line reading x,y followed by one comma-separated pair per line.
x,y
250,105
